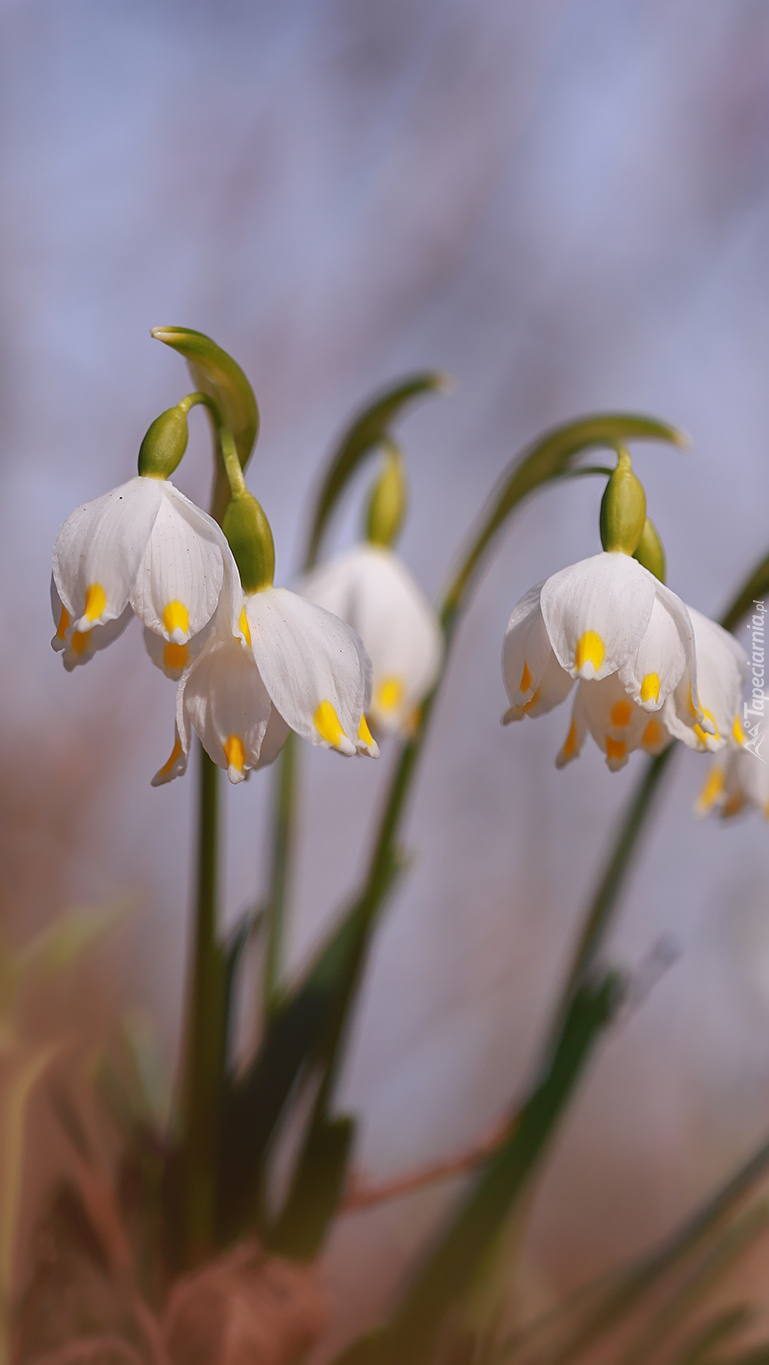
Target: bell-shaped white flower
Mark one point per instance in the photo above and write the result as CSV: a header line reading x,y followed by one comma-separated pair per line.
x,y
722,668
372,590
738,779
272,662
143,547
629,640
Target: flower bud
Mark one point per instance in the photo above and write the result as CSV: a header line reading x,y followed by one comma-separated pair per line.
x,y
650,552
388,501
623,509
250,537
165,443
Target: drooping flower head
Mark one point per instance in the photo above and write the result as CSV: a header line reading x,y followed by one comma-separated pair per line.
x,y
141,549
273,662
648,668
371,589
738,779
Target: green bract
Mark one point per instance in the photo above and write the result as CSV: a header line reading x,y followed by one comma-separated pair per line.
x,y
650,552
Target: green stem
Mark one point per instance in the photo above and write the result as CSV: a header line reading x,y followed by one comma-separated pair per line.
x,y
205,1033
284,829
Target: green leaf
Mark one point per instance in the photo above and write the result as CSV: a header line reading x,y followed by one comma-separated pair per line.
x,y
753,589
549,457
316,1192
215,373
366,431
448,1272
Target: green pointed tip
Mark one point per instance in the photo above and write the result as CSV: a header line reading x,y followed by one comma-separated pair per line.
x,y
388,501
250,538
164,444
650,552
623,508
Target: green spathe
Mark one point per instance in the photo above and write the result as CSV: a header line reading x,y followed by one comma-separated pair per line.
x,y
388,501
250,537
165,443
623,508
650,552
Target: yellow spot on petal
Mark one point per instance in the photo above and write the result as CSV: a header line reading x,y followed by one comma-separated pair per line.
x,y
235,753
714,785
652,735
525,678
175,657
532,700
733,806
650,687
620,714
176,617
590,650
702,734
570,747
615,749
63,625
176,753
327,724
388,694
364,733
244,626
95,601
80,641
693,711
737,731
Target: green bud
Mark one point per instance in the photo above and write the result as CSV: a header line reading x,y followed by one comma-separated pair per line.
x,y
650,552
388,500
248,532
623,509
165,443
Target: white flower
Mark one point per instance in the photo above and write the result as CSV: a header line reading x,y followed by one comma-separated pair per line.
x,y
722,668
272,662
738,778
372,590
629,640
142,547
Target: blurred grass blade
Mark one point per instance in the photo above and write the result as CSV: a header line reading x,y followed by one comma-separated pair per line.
x,y
701,1280
215,372
366,431
449,1271
316,1195
13,1111
60,946
548,458
697,1350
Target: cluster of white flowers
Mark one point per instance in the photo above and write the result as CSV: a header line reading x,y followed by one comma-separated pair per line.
x,y
648,668
248,666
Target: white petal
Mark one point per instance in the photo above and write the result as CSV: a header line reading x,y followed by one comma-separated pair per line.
x,y
534,679
275,736
77,647
226,702
173,659
176,764
596,613
657,666
575,738
373,591
99,549
180,577
722,667
616,723
313,666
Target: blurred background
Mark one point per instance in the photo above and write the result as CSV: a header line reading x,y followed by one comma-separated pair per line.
x,y
565,205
